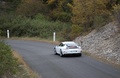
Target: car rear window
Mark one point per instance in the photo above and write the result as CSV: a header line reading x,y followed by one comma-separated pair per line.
x,y
71,45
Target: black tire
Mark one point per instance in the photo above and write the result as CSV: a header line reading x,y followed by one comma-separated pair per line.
x,y
80,55
55,51
61,54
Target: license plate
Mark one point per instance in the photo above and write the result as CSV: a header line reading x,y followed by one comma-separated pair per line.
x,y
74,51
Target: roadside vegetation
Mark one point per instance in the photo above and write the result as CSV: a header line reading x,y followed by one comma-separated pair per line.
x,y
68,18
12,65
40,18
38,27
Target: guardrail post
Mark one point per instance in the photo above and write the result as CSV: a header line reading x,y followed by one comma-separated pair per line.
x,y
8,34
54,35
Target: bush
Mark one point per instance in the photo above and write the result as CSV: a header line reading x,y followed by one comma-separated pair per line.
x,y
31,8
39,26
116,14
100,21
8,64
62,16
0,33
76,31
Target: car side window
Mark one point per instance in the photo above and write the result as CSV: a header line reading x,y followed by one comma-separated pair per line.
x,y
61,44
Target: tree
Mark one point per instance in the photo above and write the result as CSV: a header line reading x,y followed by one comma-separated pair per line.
x,y
60,10
30,8
9,5
86,11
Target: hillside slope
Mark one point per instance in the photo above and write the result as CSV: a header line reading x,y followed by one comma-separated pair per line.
x,y
104,43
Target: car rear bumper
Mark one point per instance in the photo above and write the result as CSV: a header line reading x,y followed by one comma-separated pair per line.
x,y
72,52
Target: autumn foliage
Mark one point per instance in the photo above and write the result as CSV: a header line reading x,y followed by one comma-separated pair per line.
x,y
82,16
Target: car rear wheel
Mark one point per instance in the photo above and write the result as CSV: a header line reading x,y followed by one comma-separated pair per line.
x,y
80,54
61,54
55,51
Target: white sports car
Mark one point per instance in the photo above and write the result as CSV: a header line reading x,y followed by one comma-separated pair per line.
x,y
68,47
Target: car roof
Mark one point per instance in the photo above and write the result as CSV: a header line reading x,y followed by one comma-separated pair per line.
x,y
68,42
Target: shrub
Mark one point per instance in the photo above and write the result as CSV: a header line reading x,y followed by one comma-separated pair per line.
x,y
0,32
31,8
116,14
100,21
39,26
76,31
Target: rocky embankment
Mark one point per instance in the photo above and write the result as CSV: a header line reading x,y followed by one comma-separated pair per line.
x,y
104,43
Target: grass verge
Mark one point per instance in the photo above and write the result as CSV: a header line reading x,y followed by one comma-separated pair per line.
x,y
24,70
36,39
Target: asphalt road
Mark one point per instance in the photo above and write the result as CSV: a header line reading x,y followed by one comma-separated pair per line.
x,y
40,57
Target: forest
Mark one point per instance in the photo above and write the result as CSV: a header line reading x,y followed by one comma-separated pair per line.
x,y
68,18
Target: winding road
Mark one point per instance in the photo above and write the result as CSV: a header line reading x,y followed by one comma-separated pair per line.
x,y
40,58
